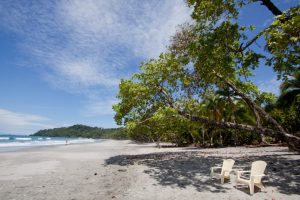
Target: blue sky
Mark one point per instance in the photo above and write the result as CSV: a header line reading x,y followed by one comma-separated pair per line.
x,y
61,61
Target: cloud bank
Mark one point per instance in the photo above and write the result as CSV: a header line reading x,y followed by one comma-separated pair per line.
x,y
21,123
87,46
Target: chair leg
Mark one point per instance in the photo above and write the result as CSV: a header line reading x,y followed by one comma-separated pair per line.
x,y
222,179
251,186
260,186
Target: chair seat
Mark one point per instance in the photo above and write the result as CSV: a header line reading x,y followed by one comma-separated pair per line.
x,y
220,176
242,180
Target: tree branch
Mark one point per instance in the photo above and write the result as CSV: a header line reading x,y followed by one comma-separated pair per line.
x,y
292,140
165,94
251,104
270,5
250,42
231,125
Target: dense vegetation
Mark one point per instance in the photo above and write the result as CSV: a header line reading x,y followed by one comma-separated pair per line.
x,y
200,90
84,131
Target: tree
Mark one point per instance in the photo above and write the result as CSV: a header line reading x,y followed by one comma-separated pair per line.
x,y
219,45
290,91
287,108
161,93
212,54
144,106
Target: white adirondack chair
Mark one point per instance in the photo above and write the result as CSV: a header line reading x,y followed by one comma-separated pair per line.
x,y
256,174
225,170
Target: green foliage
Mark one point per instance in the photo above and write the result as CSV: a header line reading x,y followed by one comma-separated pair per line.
x,y
205,74
290,91
283,41
84,131
217,21
207,10
289,118
287,108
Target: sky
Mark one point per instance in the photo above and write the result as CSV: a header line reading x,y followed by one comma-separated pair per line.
x,y
61,60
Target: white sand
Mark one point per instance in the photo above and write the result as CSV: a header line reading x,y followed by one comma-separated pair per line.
x,y
124,170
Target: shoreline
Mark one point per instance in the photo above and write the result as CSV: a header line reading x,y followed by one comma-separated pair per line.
x,y
122,169
28,147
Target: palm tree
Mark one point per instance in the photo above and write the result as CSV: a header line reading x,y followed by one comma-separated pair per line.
x,y
289,104
290,91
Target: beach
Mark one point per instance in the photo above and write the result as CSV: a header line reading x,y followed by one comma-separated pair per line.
x,y
114,169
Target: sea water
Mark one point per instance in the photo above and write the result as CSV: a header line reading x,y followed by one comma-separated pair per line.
x,y
17,142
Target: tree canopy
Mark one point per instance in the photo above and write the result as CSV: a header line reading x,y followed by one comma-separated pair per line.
x,y
200,86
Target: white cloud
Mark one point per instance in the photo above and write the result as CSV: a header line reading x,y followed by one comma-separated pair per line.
x,y
272,85
81,74
100,107
14,122
89,41
85,45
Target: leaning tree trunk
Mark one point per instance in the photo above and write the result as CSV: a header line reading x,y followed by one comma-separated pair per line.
x,y
258,120
292,141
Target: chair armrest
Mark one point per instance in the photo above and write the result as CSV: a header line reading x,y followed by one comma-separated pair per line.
x,y
216,167
239,173
258,175
255,176
226,170
212,169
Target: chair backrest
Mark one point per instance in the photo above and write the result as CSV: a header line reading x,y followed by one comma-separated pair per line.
x,y
258,168
227,165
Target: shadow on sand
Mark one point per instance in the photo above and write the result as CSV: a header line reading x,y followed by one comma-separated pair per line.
x,y
191,168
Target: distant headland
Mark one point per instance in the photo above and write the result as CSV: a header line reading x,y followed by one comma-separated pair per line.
x,y
79,130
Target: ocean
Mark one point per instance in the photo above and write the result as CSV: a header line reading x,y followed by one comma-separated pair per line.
x,y
18,142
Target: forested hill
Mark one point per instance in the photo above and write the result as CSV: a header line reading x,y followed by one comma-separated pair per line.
x,y
83,131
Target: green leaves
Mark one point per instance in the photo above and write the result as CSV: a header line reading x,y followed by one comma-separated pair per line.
x,y
212,11
204,58
290,91
283,41
133,97
252,27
